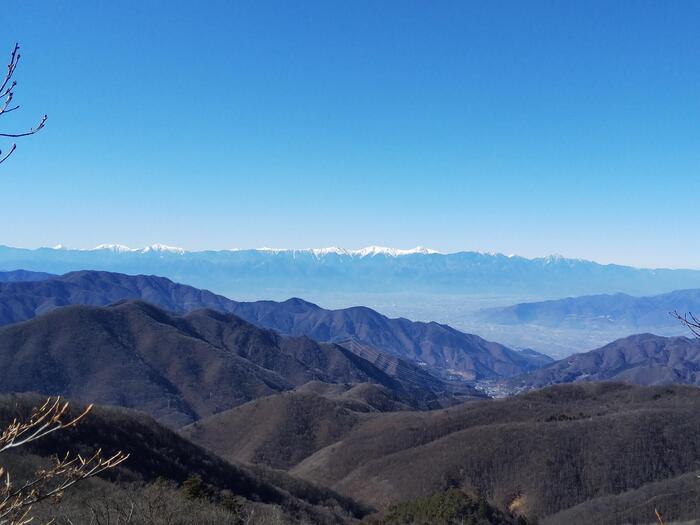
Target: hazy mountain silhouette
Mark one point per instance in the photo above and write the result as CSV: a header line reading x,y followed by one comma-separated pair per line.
x,y
642,359
599,312
431,344
23,275
374,270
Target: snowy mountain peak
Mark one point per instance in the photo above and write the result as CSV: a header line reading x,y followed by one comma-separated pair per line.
x,y
369,251
163,248
559,259
392,252
119,248
267,249
320,252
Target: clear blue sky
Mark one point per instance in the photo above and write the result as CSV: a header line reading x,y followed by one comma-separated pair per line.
x,y
519,127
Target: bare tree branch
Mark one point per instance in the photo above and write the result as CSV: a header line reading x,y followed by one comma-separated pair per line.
x,y
14,60
51,482
41,125
7,93
44,420
12,150
689,320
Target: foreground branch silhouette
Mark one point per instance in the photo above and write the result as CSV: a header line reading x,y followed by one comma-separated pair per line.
x,y
7,94
690,321
16,501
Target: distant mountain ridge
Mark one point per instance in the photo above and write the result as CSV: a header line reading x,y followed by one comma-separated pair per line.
x,y
431,344
642,359
23,275
319,252
273,272
599,311
175,368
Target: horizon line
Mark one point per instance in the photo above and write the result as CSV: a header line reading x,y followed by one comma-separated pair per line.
x,y
371,250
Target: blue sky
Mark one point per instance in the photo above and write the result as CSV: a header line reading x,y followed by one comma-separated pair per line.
x,y
519,127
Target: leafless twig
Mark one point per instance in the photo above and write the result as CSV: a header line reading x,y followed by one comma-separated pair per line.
x,y
51,482
7,93
689,320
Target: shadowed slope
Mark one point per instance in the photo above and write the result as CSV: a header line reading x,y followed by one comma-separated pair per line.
x,y
432,343
429,343
159,453
177,369
553,448
642,359
281,430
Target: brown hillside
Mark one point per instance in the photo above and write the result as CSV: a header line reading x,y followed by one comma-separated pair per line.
x,y
553,448
281,430
159,453
177,369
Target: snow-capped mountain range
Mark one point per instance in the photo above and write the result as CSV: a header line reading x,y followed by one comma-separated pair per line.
x,y
319,252
120,248
282,273
367,251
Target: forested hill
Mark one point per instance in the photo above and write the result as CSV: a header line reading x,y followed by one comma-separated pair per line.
x,y
434,344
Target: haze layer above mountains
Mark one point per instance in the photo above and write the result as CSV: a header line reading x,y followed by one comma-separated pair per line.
x,y
309,273
582,323
415,357
432,344
418,284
